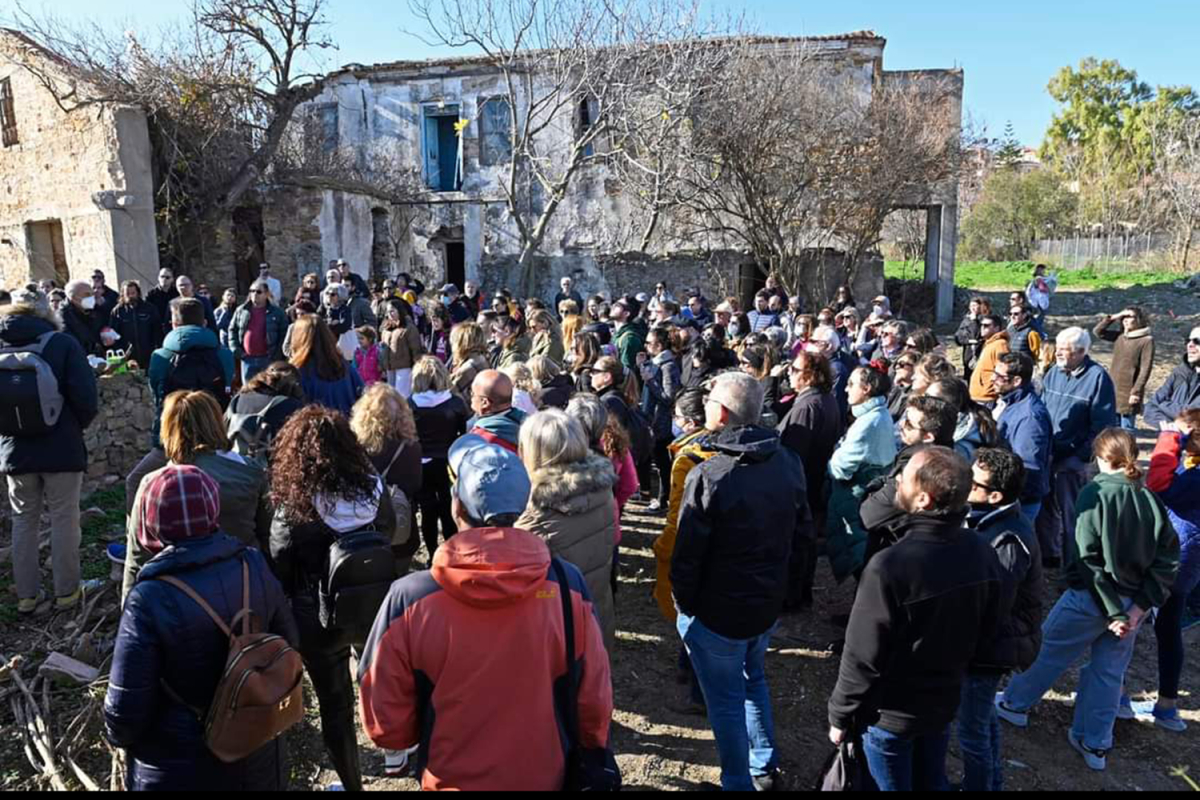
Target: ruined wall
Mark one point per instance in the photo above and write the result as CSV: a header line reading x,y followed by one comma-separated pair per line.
x,y
89,170
120,435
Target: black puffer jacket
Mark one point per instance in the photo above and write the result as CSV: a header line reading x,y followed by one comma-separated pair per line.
x,y
1017,640
61,449
736,522
84,326
557,393
165,637
922,607
438,426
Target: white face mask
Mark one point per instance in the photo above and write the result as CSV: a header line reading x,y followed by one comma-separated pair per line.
x,y
88,303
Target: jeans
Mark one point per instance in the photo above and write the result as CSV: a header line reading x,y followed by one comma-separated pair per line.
x,y
59,491
1075,626
252,365
907,763
1168,627
979,734
1128,422
732,678
1056,522
326,657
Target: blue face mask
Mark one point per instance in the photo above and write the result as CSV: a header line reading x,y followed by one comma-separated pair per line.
x,y
676,431
446,301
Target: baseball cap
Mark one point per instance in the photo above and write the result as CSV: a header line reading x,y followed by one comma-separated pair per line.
x,y
491,481
449,288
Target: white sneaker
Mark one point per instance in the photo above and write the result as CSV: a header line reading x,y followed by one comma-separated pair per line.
x,y
1018,719
1167,720
395,762
1095,759
1125,711
654,506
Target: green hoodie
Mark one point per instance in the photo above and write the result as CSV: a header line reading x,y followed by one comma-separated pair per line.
x,y
1124,546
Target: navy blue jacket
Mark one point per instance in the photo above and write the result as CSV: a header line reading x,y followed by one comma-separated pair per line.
x,y
165,637
1081,406
1180,392
739,512
140,329
61,449
1025,425
1017,638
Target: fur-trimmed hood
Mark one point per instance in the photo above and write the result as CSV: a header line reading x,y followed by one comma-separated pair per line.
x,y
573,488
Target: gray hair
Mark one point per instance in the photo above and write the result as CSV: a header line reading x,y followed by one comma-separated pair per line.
x,y
1075,338
544,369
591,413
551,438
75,286
741,395
777,337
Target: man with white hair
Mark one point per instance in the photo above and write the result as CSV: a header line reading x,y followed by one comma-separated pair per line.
x,y
1082,402
567,293
827,342
79,317
729,573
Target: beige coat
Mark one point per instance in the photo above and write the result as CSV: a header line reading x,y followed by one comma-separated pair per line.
x,y
464,375
573,509
402,347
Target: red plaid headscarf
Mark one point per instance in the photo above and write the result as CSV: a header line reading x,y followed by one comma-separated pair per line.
x,y
178,503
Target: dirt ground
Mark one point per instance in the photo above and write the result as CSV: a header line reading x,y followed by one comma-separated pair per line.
x,y
660,749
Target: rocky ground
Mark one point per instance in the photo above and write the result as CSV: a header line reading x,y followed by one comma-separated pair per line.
x,y
661,749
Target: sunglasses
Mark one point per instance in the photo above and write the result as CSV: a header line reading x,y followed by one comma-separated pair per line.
x,y
260,291
1194,341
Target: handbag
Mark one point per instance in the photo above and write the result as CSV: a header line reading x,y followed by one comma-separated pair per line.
x,y
846,769
588,769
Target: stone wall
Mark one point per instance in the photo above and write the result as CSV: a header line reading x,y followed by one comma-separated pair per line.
x,y
88,172
120,434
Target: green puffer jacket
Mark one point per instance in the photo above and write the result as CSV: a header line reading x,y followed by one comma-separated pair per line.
x,y
845,536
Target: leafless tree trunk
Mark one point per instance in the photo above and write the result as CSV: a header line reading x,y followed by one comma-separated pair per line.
x,y
1175,143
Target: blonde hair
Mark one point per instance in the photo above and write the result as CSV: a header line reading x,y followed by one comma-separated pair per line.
x,y
551,438
192,424
544,369
467,340
380,415
429,375
1119,448
522,378
544,319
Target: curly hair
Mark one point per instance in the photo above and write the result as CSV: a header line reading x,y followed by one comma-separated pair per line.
x,y
317,454
382,415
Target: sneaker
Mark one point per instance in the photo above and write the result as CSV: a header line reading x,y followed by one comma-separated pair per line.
x,y
1167,720
1191,618
654,506
335,787
69,602
773,781
1095,759
395,762
29,605
1125,710
1018,719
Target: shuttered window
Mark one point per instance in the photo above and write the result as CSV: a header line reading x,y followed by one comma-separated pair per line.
x,y
8,118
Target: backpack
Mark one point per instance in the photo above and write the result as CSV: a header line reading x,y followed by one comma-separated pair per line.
x,y
259,695
403,542
32,400
250,433
199,369
361,570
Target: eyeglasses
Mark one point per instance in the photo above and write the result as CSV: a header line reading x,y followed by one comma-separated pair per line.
x,y
1000,376
983,486
259,291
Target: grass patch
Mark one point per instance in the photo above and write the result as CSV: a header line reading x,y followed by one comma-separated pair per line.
x,y
94,562
1017,274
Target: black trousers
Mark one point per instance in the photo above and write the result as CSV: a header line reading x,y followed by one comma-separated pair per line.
x,y
326,657
663,462
433,500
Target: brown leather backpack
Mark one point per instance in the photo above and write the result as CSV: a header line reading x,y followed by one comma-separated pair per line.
x,y
259,695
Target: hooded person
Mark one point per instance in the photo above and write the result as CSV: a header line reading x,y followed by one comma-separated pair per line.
x,y
170,655
482,636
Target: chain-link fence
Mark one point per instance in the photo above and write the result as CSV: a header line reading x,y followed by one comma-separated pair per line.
x,y
1149,251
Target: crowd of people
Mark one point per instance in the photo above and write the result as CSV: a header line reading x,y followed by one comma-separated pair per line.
x,y
304,451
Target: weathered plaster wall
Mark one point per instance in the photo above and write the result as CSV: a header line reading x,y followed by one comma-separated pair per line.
x,y
89,169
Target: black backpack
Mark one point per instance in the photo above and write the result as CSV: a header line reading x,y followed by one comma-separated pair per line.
x,y
362,568
198,370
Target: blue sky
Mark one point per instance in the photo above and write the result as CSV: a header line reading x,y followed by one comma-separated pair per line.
x,y
1009,50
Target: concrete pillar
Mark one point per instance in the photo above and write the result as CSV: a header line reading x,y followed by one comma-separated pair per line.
x,y
941,238
473,219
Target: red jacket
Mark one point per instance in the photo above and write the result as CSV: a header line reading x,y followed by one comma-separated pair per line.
x,y
463,660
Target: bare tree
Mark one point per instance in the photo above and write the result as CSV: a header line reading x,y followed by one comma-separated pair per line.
x,y
764,153
1175,146
219,91
576,75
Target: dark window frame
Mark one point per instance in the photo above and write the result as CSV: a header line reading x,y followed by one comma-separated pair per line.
x,y
8,116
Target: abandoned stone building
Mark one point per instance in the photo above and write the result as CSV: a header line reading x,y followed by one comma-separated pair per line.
x,y
78,191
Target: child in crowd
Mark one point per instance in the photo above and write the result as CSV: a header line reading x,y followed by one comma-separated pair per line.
x,y
366,357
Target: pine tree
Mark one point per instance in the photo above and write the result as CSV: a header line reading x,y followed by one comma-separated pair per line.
x,y
1011,152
